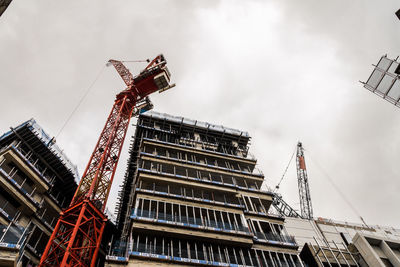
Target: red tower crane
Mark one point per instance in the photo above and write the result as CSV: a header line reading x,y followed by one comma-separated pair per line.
x,y
77,235
284,208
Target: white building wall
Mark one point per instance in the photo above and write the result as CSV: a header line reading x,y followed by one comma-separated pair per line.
x,y
304,231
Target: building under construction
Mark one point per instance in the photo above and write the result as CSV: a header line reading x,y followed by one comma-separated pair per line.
x,y
192,196
37,182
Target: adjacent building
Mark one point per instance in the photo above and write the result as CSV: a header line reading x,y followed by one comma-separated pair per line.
x,y
378,250
37,181
326,242
192,196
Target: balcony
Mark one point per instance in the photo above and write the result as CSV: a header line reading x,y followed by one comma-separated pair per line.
x,y
19,185
187,221
12,236
197,199
47,218
273,238
7,209
179,259
206,148
204,180
192,252
195,252
256,172
34,164
12,155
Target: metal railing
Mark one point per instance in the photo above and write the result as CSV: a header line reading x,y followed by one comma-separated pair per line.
x,y
47,218
164,192
7,209
191,143
154,170
11,234
255,171
190,221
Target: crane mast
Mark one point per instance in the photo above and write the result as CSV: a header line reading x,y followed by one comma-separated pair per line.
x,y
77,235
302,179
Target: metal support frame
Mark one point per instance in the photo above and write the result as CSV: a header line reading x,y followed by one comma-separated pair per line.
x,y
100,171
76,237
333,253
283,208
384,80
341,253
350,253
316,254
323,253
306,211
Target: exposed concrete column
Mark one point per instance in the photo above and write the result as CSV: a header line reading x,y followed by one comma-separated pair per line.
x,y
390,254
366,251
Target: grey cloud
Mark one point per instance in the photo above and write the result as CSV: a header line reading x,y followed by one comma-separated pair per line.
x,y
282,70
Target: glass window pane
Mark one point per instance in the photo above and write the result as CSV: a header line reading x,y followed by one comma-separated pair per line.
x,y
384,63
385,84
394,92
375,78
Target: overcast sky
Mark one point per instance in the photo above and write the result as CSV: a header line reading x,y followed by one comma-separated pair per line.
x,y
282,70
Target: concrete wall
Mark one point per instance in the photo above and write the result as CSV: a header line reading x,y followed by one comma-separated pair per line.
x,y
304,231
377,251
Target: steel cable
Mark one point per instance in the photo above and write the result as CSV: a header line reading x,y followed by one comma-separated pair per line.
x,y
80,102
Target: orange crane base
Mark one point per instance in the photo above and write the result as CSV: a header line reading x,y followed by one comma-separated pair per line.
x,y
81,222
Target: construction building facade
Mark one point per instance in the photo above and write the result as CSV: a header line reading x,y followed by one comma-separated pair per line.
x,y
192,196
36,182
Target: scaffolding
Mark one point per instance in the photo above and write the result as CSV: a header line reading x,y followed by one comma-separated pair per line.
x,y
329,255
